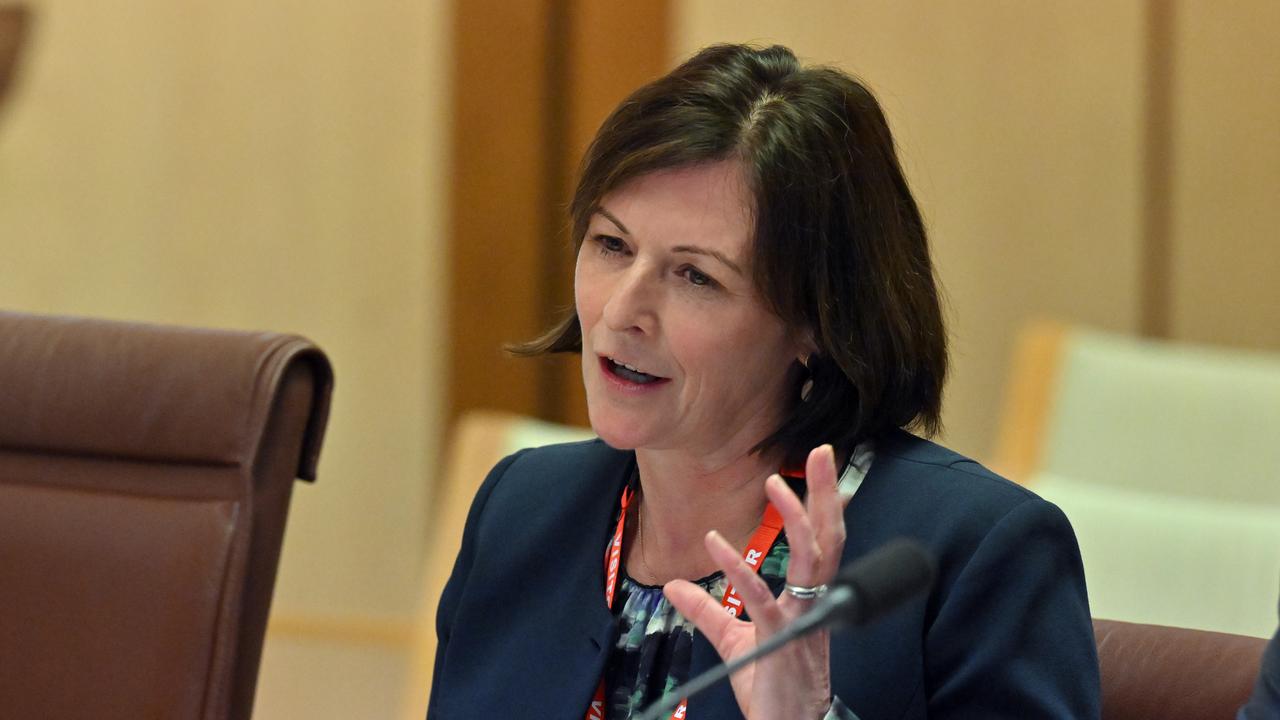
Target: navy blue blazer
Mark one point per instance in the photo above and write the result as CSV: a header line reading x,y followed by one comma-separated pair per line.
x,y
1005,632
1265,703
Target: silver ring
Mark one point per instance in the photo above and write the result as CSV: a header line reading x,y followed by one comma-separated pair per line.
x,y
800,592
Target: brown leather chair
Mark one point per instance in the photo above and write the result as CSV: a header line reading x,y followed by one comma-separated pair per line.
x,y
145,476
1152,671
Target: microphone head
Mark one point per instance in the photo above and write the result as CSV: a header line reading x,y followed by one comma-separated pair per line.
x,y
886,577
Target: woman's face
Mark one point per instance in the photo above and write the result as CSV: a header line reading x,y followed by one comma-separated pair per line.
x,y
678,349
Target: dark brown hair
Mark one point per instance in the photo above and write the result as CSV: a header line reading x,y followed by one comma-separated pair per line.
x,y
839,250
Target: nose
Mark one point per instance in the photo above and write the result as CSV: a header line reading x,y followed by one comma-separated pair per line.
x,y
631,303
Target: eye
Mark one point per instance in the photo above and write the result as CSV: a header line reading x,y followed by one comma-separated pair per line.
x,y
697,277
609,245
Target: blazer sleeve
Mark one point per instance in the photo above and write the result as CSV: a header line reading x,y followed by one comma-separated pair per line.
x,y
1013,637
1265,703
447,609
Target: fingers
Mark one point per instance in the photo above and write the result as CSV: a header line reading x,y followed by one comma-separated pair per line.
x,y
704,611
815,528
815,533
712,618
823,501
805,565
752,589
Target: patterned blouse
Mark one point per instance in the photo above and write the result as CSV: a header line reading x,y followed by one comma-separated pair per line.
x,y
655,643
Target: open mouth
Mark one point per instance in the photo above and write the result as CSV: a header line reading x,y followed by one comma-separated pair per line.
x,y
629,373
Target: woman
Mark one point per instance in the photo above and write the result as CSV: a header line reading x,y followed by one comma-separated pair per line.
x,y
757,316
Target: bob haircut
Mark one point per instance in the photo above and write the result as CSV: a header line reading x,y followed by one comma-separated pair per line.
x,y
839,249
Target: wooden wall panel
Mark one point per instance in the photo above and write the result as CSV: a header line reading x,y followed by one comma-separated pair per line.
x,y
534,79
501,93
614,48
1157,169
13,28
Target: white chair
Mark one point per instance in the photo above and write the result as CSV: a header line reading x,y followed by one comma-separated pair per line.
x,y
1166,457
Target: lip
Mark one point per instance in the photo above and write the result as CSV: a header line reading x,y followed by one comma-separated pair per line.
x,y
625,386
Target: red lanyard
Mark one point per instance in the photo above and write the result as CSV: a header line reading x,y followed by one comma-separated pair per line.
x,y
761,540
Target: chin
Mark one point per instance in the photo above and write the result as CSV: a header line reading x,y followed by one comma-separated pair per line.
x,y
614,443
614,436
617,432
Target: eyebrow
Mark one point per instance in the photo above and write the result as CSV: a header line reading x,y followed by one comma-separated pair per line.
x,y
691,249
609,216
694,249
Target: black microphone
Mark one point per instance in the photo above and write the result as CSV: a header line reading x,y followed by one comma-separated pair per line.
x,y
861,592
884,578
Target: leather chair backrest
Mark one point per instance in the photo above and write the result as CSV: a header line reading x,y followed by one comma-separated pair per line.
x,y
145,475
1157,672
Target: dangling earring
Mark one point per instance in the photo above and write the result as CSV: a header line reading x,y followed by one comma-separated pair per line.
x,y
806,387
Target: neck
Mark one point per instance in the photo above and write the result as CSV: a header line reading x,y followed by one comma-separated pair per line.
x,y
682,498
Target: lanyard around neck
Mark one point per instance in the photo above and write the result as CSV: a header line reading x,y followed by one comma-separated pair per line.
x,y
761,540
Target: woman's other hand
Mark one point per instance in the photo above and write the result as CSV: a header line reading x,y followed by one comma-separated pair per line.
x,y
794,682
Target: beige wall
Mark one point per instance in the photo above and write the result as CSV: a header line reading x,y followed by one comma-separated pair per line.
x,y
1226,174
1022,129
270,165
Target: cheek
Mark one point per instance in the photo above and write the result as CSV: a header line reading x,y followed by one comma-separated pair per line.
x,y
751,361
718,360
584,296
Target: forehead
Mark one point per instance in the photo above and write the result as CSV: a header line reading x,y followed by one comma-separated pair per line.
x,y
705,203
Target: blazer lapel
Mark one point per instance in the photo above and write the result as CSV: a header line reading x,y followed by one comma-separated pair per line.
x,y
575,631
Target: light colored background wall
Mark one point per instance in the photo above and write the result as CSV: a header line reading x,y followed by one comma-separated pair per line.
x,y
1226,184
284,165
270,165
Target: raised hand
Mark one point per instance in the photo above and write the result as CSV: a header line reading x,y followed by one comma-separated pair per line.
x,y
795,682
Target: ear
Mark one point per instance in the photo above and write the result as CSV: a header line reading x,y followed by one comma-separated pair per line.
x,y
805,346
